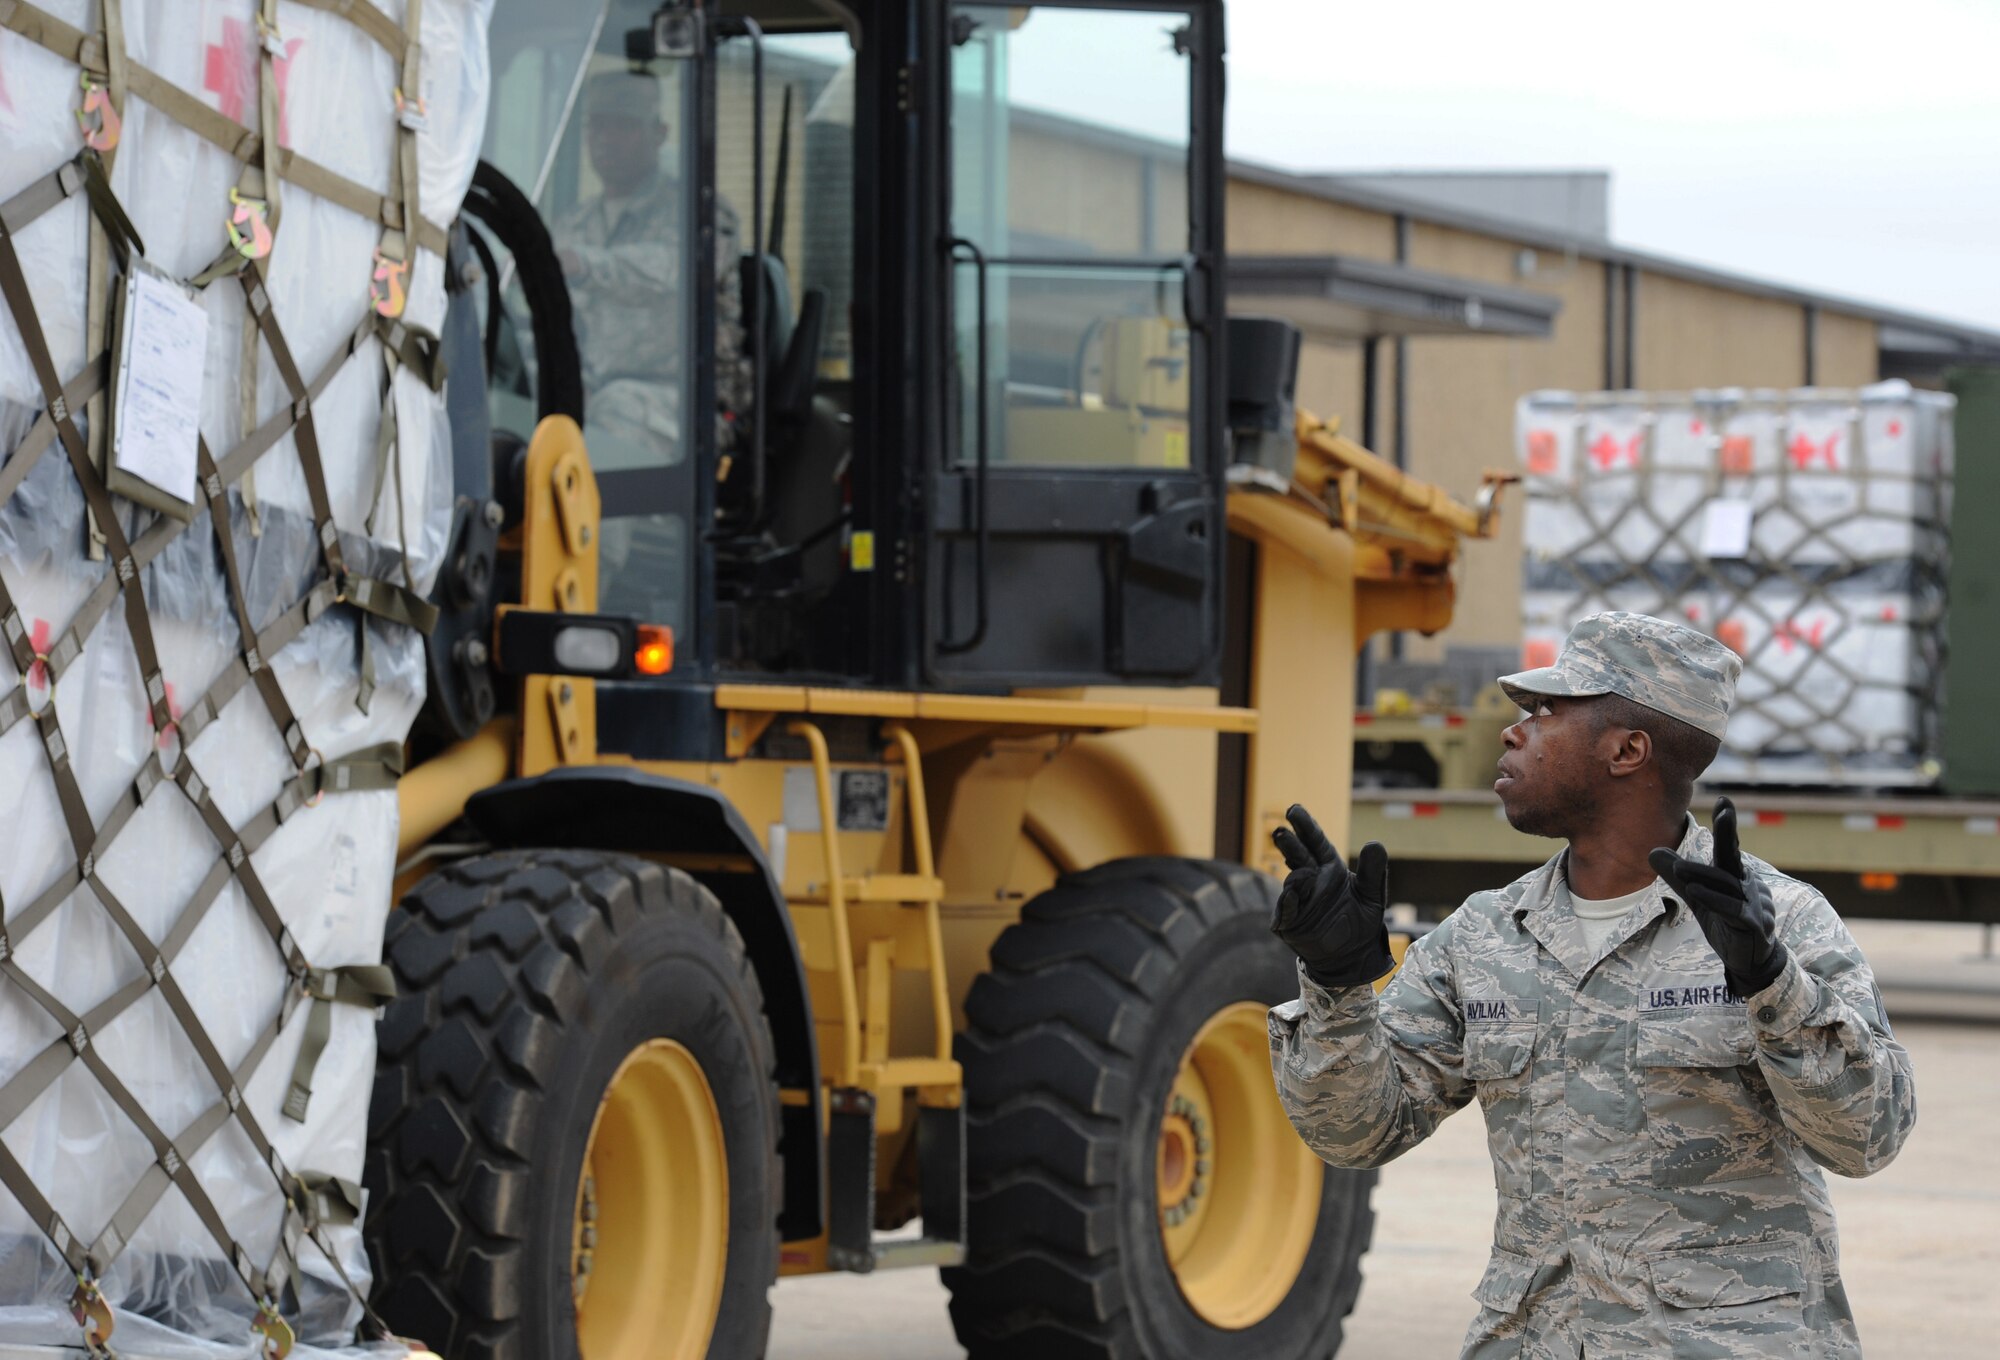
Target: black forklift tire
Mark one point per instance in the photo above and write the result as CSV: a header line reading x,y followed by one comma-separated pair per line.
x,y
525,979
1071,1046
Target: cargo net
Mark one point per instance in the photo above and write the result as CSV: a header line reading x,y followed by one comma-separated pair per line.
x,y
1807,530
270,1266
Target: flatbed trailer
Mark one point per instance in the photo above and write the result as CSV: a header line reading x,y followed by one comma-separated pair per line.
x,y
1875,856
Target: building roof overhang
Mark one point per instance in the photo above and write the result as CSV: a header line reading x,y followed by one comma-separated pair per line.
x,y
1342,299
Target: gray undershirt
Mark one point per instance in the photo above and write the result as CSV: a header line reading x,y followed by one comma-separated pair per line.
x,y
1598,916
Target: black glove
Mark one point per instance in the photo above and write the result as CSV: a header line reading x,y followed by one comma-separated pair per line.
x,y
1332,919
1733,908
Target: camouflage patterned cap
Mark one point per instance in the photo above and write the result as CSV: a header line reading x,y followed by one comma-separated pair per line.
x,y
1666,666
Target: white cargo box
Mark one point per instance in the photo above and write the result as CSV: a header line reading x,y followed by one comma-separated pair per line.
x,y
187,859
1809,530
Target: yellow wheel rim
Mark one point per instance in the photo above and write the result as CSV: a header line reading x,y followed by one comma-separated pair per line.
x,y
1238,1192
651,1235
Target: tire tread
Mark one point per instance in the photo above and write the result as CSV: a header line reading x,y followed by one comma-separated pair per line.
x,y
1049,1049
493,957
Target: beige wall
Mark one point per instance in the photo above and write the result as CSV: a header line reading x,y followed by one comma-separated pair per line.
x,y
1265,221
1695,335
1847,354
1330,385
1076,191
1462,389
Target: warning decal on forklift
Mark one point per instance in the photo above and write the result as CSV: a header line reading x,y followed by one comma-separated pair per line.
x,y
864,800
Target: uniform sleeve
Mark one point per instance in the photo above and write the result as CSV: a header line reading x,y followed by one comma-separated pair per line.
x,y
1842,1082
1364,1079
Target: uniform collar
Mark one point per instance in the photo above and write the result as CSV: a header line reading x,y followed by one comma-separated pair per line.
x,y
1542,911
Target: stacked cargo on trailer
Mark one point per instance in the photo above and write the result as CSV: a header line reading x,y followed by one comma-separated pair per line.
x,y
1812,531
1808,530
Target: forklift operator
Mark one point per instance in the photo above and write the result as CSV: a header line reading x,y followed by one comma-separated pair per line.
x,y
622,252
1668,1037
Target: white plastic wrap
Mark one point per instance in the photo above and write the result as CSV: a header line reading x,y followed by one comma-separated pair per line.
x,y
327,868
1809,530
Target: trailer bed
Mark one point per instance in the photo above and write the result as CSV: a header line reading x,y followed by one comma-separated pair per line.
x,y
1882,856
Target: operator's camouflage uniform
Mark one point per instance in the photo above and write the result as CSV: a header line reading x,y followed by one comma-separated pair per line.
x,y
1653,1137
630,304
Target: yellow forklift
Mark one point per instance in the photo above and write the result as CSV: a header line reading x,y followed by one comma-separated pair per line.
x,y
889,604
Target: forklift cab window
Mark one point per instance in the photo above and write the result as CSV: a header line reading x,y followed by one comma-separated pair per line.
x,y
604,146
1070,175
782,524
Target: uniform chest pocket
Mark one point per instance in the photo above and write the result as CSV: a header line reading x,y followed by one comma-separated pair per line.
x,y
1705,1122
1499,1061
1498,1052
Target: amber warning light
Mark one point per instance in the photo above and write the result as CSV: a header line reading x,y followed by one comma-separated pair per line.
x,y
655,654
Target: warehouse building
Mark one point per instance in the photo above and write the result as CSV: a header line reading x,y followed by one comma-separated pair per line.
x,y
1428,313
1432,302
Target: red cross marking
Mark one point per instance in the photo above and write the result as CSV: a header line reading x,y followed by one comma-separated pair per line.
x,y
1895,427
230,72
1695,427
1802,451
1789,635
1605,451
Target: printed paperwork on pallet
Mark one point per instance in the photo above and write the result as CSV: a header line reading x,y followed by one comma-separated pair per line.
x,y
223,499
1808,530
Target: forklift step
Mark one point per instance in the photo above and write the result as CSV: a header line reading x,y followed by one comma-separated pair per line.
x,y
850,1153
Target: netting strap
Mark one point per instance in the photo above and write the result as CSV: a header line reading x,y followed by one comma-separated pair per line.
x,y
76,1045
87,50
78,390
1736,595
389,285
308,1206
14,289
321,1201
363,985
367,18
399,604
103,140
253,658
49,191
375,768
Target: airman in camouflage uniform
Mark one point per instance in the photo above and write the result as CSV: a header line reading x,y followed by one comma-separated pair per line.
x,y
1659,1101
622,255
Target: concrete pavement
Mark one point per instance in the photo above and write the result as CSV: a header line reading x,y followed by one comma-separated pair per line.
x,y
1920,1242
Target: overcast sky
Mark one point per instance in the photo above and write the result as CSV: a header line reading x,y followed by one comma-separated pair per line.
x,y
1853,149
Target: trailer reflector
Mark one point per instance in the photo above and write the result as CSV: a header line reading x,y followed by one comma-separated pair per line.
x,y
1982,826
1872,821
1770,818
1879,882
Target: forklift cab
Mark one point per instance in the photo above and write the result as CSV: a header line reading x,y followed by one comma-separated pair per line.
x,y
900,334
